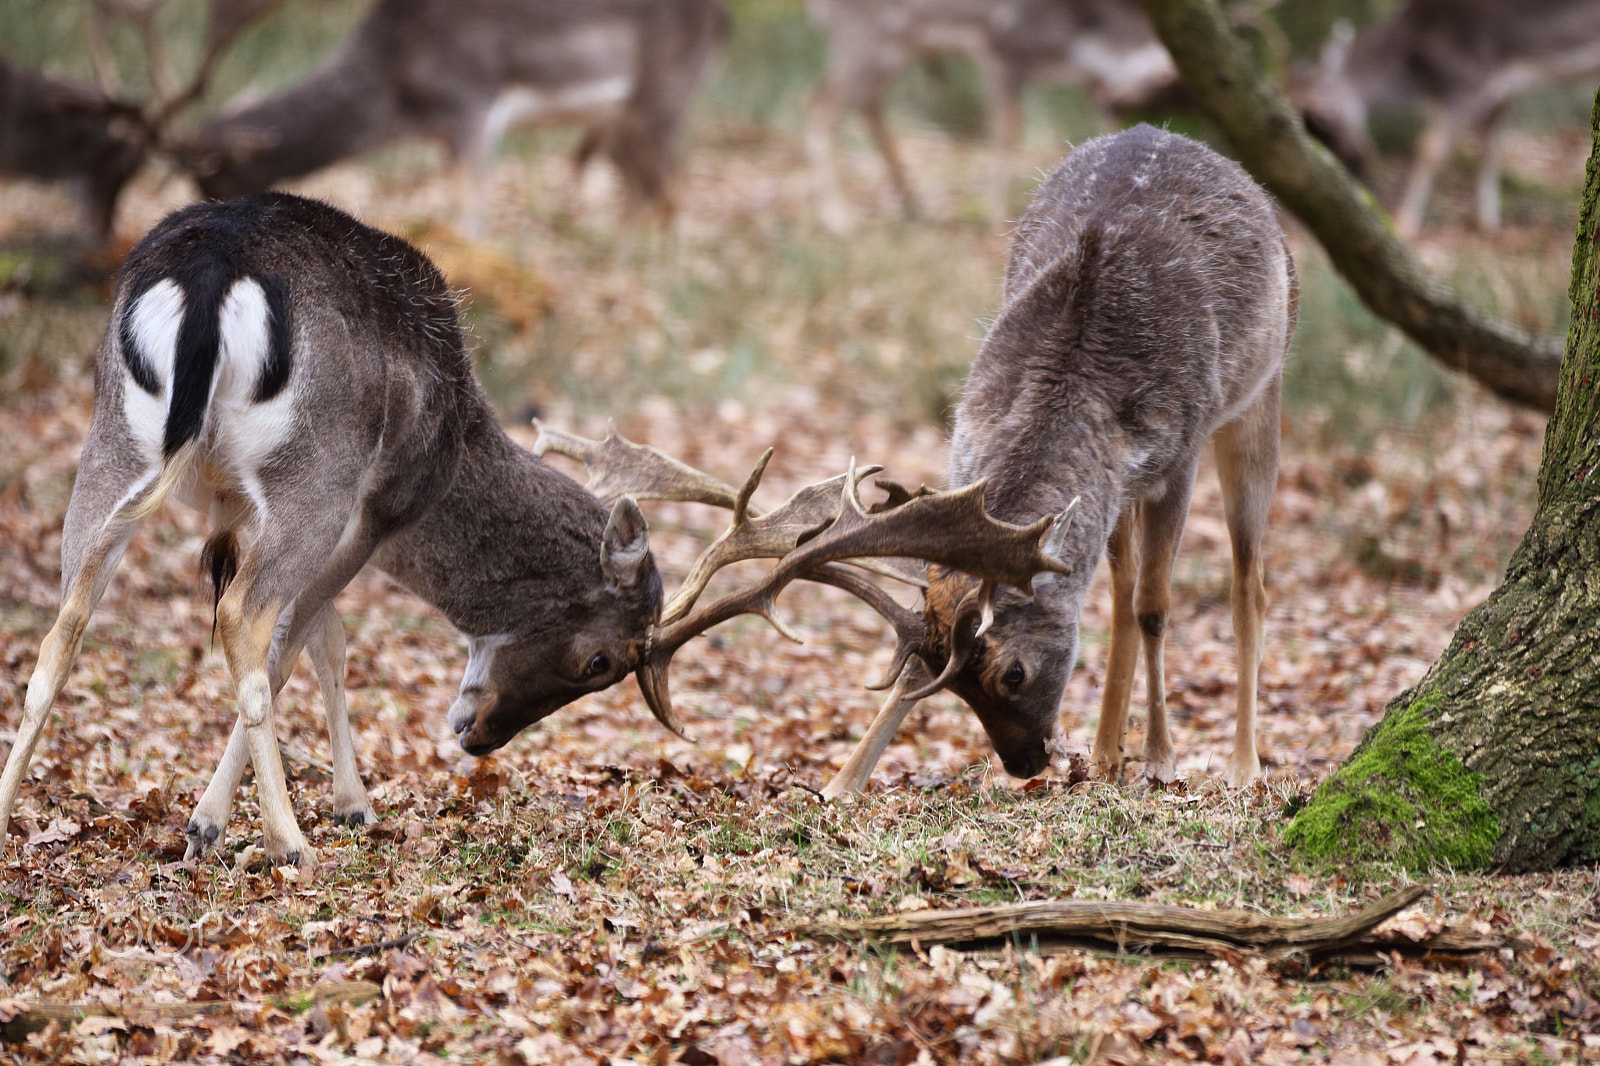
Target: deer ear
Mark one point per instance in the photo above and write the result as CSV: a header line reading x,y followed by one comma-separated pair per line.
x,y
625,547
1055,541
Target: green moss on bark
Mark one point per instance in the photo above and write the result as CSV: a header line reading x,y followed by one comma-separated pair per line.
x,y
1401,798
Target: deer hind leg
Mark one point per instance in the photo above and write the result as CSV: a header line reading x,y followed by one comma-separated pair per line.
x,y
872,113
89,573
1247,463
1162,522
325,645
247,617
1122,556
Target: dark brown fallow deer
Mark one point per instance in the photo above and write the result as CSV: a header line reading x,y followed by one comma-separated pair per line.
x,y
89,137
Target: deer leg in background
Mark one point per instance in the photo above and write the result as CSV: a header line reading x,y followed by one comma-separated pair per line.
x,y
1494,133
1247,465
1123,559
1433,148
88,573
822,120
326,646
872,112
857,769
1162,528
470,154
1003,88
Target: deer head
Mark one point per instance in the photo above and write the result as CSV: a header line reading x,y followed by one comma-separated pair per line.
x,y
598,637
1014,671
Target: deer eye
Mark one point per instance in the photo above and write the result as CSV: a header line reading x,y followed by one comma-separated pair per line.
x,y
1014,677
597,665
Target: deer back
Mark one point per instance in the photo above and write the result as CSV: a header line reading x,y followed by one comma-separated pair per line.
x,y
460,70
1148,300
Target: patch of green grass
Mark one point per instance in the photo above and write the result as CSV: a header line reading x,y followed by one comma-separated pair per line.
x,y
1400,798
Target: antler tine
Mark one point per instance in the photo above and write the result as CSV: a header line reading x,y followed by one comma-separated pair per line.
x,y
618,467
226,20
909,627
948,528
767,536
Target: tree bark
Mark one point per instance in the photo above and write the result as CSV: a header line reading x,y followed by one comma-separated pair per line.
x,y
1273,145
1493,759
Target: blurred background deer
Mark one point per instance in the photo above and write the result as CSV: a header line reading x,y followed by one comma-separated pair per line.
x,y
1466,62
465,70
1105,47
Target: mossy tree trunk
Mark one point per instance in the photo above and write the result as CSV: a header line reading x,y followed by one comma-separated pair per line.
x,y
1493,760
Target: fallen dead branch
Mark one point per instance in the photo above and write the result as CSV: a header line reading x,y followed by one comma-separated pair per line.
x,y
17,1020
1124,928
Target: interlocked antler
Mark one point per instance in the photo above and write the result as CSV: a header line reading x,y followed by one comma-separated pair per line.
x,y
617,467
818,534
948,528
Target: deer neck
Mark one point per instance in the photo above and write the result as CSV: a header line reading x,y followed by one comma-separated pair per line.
x,y
506,533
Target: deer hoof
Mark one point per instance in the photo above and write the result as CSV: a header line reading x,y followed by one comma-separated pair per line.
x,y
204,836
1242,776
1105,768
356,818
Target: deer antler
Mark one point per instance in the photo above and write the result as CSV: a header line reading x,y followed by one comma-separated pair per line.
x,y
226,19
618,467
948,528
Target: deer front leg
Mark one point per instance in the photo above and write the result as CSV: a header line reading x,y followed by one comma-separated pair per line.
x,y
246,629
1163,526
857,769
209,822
1124,655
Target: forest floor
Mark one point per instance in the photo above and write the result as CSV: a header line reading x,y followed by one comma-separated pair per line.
x,y
602,891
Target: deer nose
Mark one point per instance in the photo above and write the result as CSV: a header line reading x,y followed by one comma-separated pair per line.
x,y
1026,764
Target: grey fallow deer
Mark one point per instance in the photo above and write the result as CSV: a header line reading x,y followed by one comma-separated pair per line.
x,y
1148,305
1466,61
1105,47
463,71
303,379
